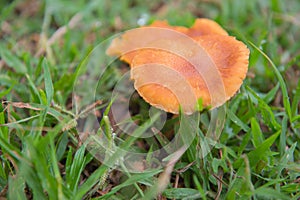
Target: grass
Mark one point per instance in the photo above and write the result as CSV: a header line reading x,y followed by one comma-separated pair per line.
x,y
252,141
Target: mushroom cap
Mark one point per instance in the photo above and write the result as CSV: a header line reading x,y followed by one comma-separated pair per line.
x,y
229,55
204,26
177,74
165,24
128,40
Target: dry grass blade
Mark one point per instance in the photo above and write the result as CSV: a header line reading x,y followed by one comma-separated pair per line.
x,y
59,33
164,178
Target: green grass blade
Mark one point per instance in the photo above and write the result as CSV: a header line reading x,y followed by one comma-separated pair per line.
x,y
3,129
257,135
179,193
9,148
262,150
61,146
199,187
283,135
269,193
296,100
237,121
271,94
245,141
56,172
32,180
5,92
266,111
48,82
285,95
285,160
76,168
12,60
16,189
90,182
133,179
34,89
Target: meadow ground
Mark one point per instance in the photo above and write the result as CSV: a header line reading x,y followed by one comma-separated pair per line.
x,y
45,51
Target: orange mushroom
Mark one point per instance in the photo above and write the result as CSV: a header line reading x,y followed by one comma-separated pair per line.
x,y
175,66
